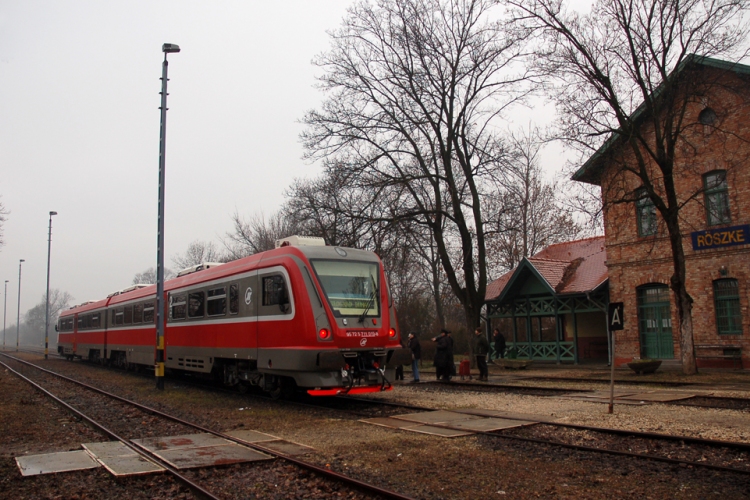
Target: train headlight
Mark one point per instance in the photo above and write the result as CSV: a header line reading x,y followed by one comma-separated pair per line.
x,y
392,333
324,334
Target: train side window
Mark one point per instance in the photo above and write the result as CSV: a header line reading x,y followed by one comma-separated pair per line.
x,y
148,312
234,299
196,301
95,320
80,322
216,302
137,314
178,306
119,316
275,292
129,315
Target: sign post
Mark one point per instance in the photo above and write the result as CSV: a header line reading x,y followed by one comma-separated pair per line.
x,y
615,321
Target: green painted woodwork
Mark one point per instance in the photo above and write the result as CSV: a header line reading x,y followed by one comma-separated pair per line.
x,y
544,351
655,322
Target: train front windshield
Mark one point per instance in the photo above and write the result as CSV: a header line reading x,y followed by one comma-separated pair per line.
x,y
351,287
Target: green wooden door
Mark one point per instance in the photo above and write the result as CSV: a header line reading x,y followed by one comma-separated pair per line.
x,y
655,322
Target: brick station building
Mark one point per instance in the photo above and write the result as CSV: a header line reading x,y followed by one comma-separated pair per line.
x,y
712,179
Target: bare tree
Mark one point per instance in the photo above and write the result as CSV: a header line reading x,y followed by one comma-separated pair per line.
x,y
258,234
529,214
148,277
198,252
414,91
36,316
626,73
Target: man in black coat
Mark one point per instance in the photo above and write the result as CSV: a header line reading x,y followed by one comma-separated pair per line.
x,y
443,355
499,341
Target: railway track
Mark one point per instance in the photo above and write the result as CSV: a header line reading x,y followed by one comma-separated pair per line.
x,y
82,397
703,401
725,456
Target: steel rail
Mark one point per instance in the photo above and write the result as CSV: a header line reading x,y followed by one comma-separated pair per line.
x,y
590,449
301,463
645,435
502,386
745,402
667,383
673,461
140,451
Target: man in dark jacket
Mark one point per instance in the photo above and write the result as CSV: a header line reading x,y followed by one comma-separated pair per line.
x,y
443,355
416,355
499,340
480,347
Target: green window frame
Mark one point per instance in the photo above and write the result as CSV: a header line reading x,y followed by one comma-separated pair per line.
x,y
645,214
716,194
727,306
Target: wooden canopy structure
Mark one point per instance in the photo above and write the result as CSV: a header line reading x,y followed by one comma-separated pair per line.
x,y
553,305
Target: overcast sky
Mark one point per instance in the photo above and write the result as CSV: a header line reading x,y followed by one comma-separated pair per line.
x,y
79,129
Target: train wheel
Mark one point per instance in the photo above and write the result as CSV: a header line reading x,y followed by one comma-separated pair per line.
x,y
284,388
243,387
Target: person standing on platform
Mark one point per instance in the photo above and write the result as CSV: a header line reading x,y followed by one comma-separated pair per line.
x,y
443,355
451,363
416,355
499,340
481,347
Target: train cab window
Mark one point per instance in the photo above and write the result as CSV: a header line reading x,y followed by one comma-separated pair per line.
x,y
119,316
148,312
216,304
275,292
129,315
234,299
178,306
137,314
96,320
196,301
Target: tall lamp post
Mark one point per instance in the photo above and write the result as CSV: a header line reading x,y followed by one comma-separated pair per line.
x,y
46,314
167,48
18,318
5,309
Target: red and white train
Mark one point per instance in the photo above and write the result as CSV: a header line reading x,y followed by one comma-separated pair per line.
x,y
303,315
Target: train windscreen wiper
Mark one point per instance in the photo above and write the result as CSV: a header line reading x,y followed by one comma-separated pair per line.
x,y
371,301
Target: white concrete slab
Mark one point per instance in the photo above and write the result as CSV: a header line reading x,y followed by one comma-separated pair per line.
x,y
251,436
209,456
200,450
120,460
51,463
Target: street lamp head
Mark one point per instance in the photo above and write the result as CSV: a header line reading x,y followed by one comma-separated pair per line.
x,y
170,47
52,213
21,260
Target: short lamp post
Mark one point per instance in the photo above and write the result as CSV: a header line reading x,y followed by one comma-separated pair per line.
x,y
18,318
46,314
167,48
5,310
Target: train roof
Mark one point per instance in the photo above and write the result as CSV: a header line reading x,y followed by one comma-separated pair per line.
x,y
216,272
91,305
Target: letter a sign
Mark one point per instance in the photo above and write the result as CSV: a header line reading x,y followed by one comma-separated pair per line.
x,y
615,316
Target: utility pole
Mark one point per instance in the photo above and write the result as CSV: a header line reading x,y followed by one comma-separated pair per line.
x,y
159,365
18,318
46,314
